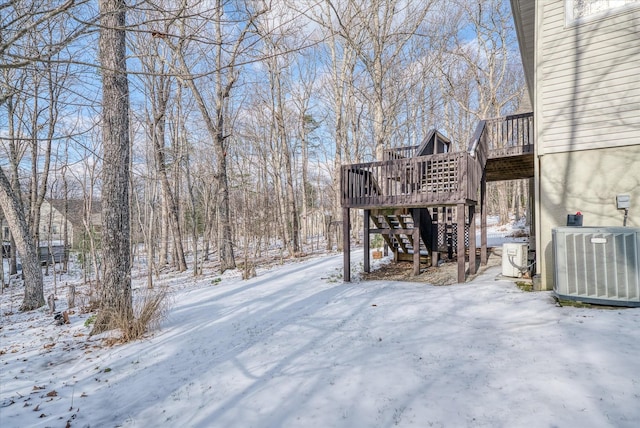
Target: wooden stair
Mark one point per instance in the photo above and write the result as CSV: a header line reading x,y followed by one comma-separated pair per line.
x,y
397,227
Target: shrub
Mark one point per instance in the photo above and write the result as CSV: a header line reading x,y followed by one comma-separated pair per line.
x,y
149,309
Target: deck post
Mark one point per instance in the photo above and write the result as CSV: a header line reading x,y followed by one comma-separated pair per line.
x,y
460,244
532,215
367,242
449,232
472,240
416,241
434,237
346,247
483,220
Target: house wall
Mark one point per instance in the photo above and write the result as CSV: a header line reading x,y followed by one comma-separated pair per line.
x,y
588,84
587,119
586,181
52,225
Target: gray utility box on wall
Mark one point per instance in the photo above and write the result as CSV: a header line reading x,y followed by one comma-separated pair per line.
x,y
597,264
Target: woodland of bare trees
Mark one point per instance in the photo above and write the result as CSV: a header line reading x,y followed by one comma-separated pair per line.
x,y
211,131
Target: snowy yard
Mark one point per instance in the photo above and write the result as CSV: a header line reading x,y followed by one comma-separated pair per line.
x,y
296,347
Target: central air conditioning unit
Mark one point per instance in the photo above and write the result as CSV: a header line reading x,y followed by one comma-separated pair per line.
x,y
597,264
514,259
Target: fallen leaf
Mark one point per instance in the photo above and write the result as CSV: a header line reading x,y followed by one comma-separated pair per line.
x,y
53,393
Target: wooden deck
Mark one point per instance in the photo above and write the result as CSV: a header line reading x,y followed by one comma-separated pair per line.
x,y
447,178
425,178
502,147
510,147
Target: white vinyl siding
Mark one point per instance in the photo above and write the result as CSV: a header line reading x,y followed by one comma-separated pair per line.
x,y
588,81
579,11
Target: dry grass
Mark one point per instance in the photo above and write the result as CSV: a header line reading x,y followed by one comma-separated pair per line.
x,y
149,309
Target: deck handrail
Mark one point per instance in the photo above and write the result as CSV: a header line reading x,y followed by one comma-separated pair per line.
x,y
475,145
406,179
432,144
440,179
400,152
509,131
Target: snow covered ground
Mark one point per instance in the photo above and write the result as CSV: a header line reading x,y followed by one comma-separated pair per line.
x,y
297,347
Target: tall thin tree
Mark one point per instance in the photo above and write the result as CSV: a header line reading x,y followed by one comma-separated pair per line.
x,y
115,293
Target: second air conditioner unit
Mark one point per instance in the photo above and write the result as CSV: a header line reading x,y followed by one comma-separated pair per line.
x,y
514,259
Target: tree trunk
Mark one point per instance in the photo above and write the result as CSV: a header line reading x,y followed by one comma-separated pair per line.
x,y
215,125
169,198
289,210
33,289
115,294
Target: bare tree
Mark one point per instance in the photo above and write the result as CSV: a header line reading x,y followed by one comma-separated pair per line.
x,y
306,125
32,38
379,32
278,63
115,293
33,290
483,69
21,19
159,84
220,29
483,78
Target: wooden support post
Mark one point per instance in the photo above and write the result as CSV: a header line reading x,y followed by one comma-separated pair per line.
x,y
434,238
472,239
483,220
449,232
367,252
460,244
531,219
346,247
416,241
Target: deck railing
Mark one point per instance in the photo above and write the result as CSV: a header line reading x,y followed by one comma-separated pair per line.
x,y
440,179
400,152
508,136
404,179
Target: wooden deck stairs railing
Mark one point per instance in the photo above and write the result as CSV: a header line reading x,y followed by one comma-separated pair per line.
x,y
397,228
400,193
